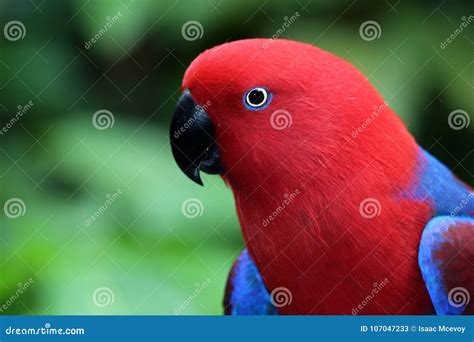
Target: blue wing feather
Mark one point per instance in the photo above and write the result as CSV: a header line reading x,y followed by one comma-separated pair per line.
x,y
446,258
436,183
246,293
451,231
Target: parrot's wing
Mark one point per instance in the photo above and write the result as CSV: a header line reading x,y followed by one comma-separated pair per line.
x,y
446,259
246,293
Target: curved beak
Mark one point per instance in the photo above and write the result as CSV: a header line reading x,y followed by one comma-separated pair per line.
x,y
192,139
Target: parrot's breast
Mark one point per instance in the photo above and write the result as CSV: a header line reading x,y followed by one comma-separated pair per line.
x,y
352,250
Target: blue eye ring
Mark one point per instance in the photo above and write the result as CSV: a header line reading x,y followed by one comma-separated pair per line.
x,y
257,103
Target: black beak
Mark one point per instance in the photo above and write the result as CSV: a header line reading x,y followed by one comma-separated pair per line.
x,y
192,139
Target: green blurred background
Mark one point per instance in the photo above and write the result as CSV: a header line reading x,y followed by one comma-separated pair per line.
x,y
142,255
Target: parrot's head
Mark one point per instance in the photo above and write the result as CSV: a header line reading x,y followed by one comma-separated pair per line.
x,y
256,107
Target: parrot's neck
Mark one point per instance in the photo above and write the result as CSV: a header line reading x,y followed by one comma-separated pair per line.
x,y
321,230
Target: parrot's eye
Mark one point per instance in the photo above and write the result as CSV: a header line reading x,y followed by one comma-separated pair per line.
x,y
257,98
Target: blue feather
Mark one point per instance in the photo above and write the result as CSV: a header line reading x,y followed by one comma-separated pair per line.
x,y
249,295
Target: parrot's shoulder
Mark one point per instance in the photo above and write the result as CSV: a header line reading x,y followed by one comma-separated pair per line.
x,y
246,293
446,258
434,182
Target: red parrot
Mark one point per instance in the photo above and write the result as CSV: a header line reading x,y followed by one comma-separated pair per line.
x,y
341,211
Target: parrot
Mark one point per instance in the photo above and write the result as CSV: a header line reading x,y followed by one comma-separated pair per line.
x,y
341,211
